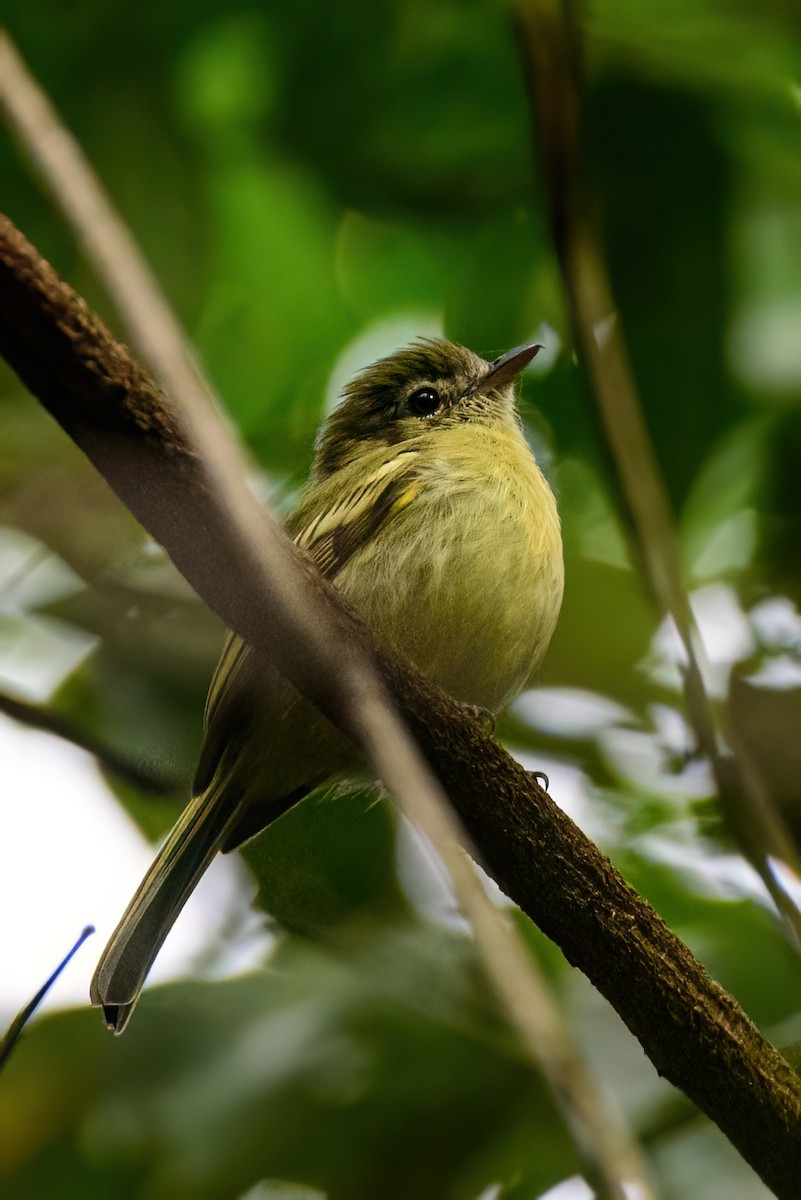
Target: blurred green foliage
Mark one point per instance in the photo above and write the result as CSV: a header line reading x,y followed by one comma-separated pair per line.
x,y
313,184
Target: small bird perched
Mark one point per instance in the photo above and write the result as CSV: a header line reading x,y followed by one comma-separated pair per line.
x,y
427,508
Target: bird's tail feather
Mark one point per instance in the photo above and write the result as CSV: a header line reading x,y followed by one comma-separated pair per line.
x,y
147,920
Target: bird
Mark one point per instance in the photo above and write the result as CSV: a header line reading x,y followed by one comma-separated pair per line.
x,y
428,511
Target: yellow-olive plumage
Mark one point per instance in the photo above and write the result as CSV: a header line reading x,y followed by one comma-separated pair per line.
x,y
428,510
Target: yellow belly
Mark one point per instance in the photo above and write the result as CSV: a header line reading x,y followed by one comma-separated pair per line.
x,y
467,581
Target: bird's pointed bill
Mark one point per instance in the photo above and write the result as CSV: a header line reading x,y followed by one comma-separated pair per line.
x,y
507,368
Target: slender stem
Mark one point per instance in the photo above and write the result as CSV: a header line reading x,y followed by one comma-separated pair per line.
x,y
137,774
550,51
12,1034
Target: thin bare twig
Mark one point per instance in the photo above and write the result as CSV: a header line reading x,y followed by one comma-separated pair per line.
x,y
550,50
337,675
12,1034
138,775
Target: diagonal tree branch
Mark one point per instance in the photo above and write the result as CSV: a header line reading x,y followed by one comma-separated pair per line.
x,y
693,1031
306,631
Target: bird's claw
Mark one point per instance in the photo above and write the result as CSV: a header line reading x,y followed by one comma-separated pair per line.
x,y
483,715
541,778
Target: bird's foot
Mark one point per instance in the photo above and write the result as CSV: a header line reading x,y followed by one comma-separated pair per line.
x,y
483,715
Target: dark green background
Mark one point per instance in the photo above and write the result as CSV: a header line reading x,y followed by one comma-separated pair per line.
x,y
305,178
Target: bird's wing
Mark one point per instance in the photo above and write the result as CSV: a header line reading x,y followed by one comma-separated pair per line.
x,y
332,533
331,528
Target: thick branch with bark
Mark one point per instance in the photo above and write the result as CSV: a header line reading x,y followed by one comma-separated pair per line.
x,y
696,1035
305,632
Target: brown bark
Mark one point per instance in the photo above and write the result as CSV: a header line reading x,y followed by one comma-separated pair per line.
x,y
696,1035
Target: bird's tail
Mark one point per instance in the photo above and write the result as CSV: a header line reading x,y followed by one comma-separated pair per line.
x,y
163,892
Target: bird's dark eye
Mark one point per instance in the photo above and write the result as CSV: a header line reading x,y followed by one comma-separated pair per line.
x,y
424,402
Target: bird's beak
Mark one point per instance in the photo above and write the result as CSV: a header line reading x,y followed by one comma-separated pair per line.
x,y
506,368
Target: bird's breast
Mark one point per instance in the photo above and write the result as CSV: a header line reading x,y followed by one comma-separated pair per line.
x,y
467,578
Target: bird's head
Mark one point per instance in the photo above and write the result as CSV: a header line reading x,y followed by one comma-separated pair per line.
x,y
432,384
